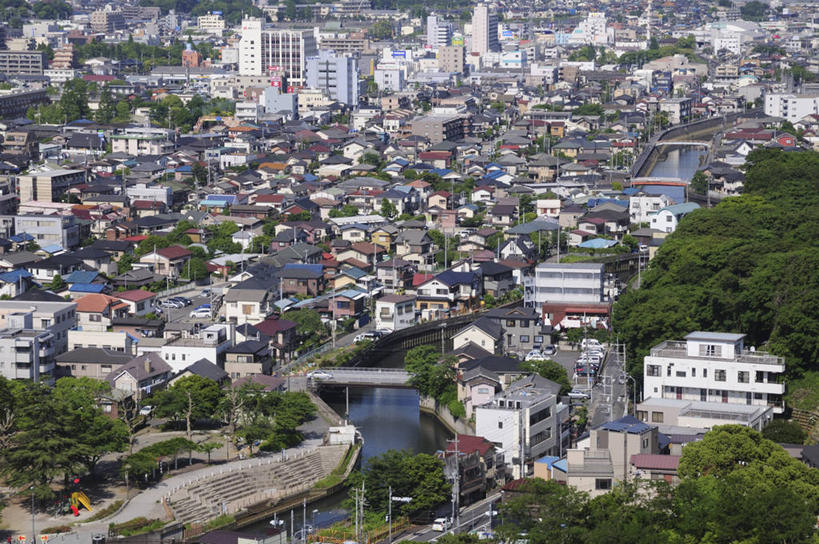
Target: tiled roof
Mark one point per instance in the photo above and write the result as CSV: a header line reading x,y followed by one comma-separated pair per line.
x,y
654,461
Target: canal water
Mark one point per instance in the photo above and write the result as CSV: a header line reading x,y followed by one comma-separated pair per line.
x,y
679,162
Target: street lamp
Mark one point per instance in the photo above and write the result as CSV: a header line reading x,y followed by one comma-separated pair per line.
x,y
389,511
33,532
633,391
315,511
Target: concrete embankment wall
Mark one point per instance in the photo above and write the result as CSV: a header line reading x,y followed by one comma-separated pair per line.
x,y
429,405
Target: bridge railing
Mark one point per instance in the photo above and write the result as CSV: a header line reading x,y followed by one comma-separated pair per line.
x,y
363,369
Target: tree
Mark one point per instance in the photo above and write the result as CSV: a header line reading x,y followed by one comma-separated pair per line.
x,y
420,476
200,173
125,263
382,30
784,432
189,398
208,447
123,111
753,10
308,325
430,375
699,183
261,243
57,283
388,209
551,371
234,406
74,100
107,107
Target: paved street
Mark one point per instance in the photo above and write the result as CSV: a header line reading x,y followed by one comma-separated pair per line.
x,y
609,394
475,516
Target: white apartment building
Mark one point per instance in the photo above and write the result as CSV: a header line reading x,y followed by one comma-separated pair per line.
x,y
641,207
484,30
395,312
678,109
153,193
26,354
141,144
714,367
55,317
211,344
390,77
262,50
580,283
526,420
792,107
212,22
336,75
439,33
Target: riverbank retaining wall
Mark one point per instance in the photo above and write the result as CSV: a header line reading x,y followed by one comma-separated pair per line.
x,y
455,425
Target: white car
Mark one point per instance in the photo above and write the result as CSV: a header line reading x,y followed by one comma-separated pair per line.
x,y
201,313
578,394
440,524
590,343
146,410
319,375
534,355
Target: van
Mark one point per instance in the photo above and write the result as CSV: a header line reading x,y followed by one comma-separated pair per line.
x,y
201,313
589,343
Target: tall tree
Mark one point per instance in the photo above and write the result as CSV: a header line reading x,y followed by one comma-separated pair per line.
x,y
190,398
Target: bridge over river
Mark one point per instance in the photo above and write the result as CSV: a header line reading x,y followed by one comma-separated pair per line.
x,y
373,377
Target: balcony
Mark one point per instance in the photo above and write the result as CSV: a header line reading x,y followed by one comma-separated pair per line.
x,y
674,349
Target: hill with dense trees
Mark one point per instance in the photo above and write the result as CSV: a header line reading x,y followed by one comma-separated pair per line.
x,y
749,265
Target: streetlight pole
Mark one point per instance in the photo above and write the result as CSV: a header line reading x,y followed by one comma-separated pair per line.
x,y
33,531
389,518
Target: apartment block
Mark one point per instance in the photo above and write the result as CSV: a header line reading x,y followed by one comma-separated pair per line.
x,y
439,128
452,58
61,230
714,367
264,50
31,63
336,75
792,107
26,354
48,185
54,317
107,21
575,282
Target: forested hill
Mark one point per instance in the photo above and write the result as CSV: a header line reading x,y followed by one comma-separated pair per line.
x,y
749,265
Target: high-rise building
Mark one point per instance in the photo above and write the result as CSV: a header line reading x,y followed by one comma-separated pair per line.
x,y
452,58
439,33
107,21
484,30
335,74
265,50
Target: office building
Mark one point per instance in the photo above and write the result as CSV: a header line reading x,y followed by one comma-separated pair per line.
x,y
714,367
792,107
30,63
337,75
439,33
484,30
264,50
526,419
390,77
452,58
107,21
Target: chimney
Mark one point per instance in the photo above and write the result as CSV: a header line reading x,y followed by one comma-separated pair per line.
x,y
147,363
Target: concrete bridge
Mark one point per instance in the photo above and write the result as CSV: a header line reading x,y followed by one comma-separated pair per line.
x,y
373,377
689,144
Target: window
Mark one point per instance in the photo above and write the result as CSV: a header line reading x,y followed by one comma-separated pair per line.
x,y
524,338
668,370
760,376
710,350
719,375
645,443
602,484
95,317
653,370
743,377
656,417
748,397
510,322
500,424
704,372
693,372
704,395
681,373
540,416
642,415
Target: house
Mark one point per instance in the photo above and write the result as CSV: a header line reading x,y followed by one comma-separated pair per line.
x,y
395,274
140,302
714,367
208,343
652,466
476,387
365,252
204,369
168,261
483,332
303,279
141,375
249,301
248,358
384,236
283,337
669,217
522,331
479,463
604,460
503,215
414,246
96,312
527,421
548,207
95,363
448,292
498,279
348,303
395,312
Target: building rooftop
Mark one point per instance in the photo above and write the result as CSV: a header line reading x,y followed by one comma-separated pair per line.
x,y
679,350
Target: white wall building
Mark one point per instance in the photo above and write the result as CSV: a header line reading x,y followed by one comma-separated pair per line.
x,y
55,317
337,75
668,219
390,77
212,23
395,312
526,420
574,282
27,354
263,50
484,30
439,33
642,207
792,107
714,367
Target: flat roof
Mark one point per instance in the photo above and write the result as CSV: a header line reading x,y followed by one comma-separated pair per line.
x,y
732,337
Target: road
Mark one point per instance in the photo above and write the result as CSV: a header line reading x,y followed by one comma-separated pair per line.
x,y
474,516
610,393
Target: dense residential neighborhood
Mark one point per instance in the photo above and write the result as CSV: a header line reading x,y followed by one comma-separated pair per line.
x,y
521,272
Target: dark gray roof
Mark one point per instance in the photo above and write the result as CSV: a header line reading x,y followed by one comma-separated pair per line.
x,y
206,369
94,356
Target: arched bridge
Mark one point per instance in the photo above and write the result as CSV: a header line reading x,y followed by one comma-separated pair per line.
x,y
374,377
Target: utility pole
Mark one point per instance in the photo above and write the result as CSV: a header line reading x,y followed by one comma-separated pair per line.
x,y
456,479
304,521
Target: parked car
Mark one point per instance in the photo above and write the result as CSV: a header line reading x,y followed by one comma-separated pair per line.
x,y
369,335
534,355
170,303
146,410
201,313
589,343
185,301
319,375
441,524
549,350
578,394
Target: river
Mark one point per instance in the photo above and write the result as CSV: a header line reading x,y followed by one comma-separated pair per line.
x,y
679,162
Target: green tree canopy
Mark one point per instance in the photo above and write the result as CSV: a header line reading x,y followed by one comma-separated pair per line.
x,y
190,398
551,371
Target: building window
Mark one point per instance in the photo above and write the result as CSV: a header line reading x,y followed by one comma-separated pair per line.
x,y
743,377
510,322
656,417
524,338
642,415
693,372
500,424
95,317
603,484
719,375
704,372
760,376
653,370
710,350
540,416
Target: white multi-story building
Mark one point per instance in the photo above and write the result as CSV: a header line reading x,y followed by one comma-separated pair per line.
x,y
212,22
56,318
26,354
337,75
439,33
264,50
714,367
792,107
729,41
526,419
390,77
580,283
153,193
641,207
395,312
591,30
484,30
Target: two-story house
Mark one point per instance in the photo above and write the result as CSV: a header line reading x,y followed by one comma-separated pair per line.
x,y
283,337
395,274
395,312
303,279
140,375
483,332
448,292
249,301
479,464
169,261
96,312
